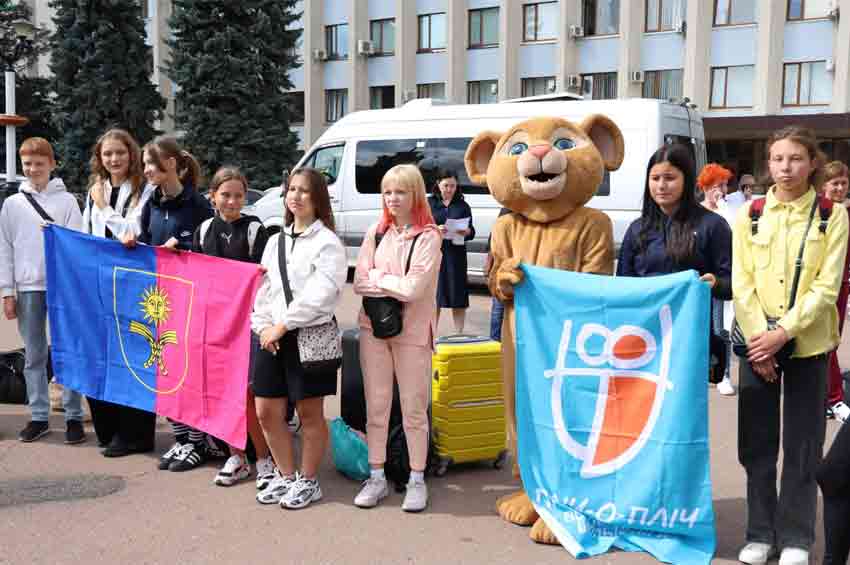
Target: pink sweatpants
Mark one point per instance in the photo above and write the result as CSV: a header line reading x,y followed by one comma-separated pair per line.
x,y
381,360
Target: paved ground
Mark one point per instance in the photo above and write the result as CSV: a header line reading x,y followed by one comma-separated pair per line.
x,y
61,504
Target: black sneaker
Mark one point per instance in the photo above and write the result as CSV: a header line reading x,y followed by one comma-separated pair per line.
x,y
74,432
190,457
33,431
170,455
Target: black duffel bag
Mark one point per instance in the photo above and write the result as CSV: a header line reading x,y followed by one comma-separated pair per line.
x,y
13,386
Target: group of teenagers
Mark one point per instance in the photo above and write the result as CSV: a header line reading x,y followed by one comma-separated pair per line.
x,y
150,195
783,263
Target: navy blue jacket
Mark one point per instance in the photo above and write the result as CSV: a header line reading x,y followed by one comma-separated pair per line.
x,y
712,252
178,217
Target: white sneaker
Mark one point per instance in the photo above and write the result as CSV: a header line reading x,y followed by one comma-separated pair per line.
x,y
276,489
416,498
725,387
302,492
235,469
841,412
794,555
373,491
265,472
756,553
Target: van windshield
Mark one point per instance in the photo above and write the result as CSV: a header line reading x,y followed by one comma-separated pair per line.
x,y
434,157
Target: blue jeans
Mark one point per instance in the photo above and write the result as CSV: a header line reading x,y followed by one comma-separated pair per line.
x,y
32,325
497,313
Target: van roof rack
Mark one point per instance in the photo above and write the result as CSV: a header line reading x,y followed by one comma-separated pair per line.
x,y
555,97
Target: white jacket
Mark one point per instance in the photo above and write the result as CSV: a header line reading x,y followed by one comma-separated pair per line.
x,y
21,238
96,220
317,270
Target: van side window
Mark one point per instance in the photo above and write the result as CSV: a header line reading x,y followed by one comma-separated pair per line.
x,y
326,160
373,158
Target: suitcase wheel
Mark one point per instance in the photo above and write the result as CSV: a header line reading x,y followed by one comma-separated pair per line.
x,y
501,459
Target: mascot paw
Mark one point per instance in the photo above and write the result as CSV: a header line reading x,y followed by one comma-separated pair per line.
x,y
517,509
541,533
509,276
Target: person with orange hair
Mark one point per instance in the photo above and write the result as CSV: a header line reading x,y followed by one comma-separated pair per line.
x,y
400,258
713,181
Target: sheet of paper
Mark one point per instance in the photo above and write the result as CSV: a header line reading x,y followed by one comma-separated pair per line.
x,y
453,226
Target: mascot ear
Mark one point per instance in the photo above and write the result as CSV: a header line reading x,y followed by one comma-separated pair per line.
x,y
478,155
607,137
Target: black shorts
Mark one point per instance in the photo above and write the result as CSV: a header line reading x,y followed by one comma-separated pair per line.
x,y
282,376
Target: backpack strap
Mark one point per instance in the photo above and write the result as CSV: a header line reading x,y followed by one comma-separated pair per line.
x,y
825,209
756,210
38,209
380,236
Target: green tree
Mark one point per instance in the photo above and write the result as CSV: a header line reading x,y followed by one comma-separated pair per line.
x,y
33,101
101,79
229,61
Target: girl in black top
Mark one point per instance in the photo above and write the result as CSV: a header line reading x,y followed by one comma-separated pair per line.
x,y
447,203
242,238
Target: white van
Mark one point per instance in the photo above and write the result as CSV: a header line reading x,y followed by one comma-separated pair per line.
x,y
358,149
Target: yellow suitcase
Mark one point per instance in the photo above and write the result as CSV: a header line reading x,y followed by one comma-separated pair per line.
x,y
467,405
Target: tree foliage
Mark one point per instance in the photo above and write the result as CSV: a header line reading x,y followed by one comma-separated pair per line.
x,y
230,61
32,101
12,49
101,78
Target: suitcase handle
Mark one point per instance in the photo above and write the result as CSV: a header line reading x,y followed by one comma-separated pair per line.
x,y
462,338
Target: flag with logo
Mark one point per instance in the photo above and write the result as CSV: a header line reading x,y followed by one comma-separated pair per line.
x,y
159,330
612,419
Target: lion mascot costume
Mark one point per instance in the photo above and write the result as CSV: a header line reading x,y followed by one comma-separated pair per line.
x,y
544,170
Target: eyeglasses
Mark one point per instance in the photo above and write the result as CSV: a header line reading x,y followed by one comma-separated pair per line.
x,y
746,186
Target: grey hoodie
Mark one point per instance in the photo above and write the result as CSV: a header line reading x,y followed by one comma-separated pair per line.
x,y
21,238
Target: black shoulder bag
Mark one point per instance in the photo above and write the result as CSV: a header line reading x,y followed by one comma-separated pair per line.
x,y
739,342
319,347
385,312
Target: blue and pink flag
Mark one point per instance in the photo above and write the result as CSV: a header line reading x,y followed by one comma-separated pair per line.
x,y
155,329
612,411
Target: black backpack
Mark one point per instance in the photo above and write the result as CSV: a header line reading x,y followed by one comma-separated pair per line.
x,y
13,386
397,465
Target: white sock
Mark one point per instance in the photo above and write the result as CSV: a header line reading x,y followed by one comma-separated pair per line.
x,y
378,474
417,476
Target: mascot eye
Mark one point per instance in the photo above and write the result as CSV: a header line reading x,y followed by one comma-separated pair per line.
x,y
563,144
518,148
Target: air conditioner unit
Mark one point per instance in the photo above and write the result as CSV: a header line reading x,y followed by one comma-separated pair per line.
x,y
832,10
574,81
829,65
681,26
576,32
636,76
365,47
320,55
494,88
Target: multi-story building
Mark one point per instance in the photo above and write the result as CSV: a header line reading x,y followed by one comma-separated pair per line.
x,y
751,66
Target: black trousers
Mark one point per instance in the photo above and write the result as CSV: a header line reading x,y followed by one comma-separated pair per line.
x,y
834,480
130,426
786,519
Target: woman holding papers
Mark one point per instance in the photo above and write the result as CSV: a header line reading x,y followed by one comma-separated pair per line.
x,y
454,217
117,192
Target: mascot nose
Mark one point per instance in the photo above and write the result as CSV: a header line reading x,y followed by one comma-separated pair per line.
x,y
541,150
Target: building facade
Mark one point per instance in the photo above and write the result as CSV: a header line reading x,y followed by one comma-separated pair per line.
x,y
751,66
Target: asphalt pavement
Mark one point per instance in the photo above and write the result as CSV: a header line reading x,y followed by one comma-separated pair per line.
x,y
68,505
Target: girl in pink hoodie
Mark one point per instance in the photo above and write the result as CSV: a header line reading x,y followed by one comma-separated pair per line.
x,y
407,230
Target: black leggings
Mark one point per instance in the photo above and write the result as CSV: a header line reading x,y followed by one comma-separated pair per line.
x,y
834,479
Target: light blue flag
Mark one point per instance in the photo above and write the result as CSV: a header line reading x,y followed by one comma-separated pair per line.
x,y
612,411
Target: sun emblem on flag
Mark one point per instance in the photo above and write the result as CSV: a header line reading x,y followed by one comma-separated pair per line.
x,y
156,309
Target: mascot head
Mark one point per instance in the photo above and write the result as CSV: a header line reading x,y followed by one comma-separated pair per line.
x,y
544,168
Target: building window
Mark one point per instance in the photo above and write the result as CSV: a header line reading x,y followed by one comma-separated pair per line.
x,y
432,32
431,90
482,91
336,104
664,15
807,9
734,12
538,86
295,104
540,21
806,84
601,17
665,85
599,86
336,41
382,35
484,28
732,87
381,97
